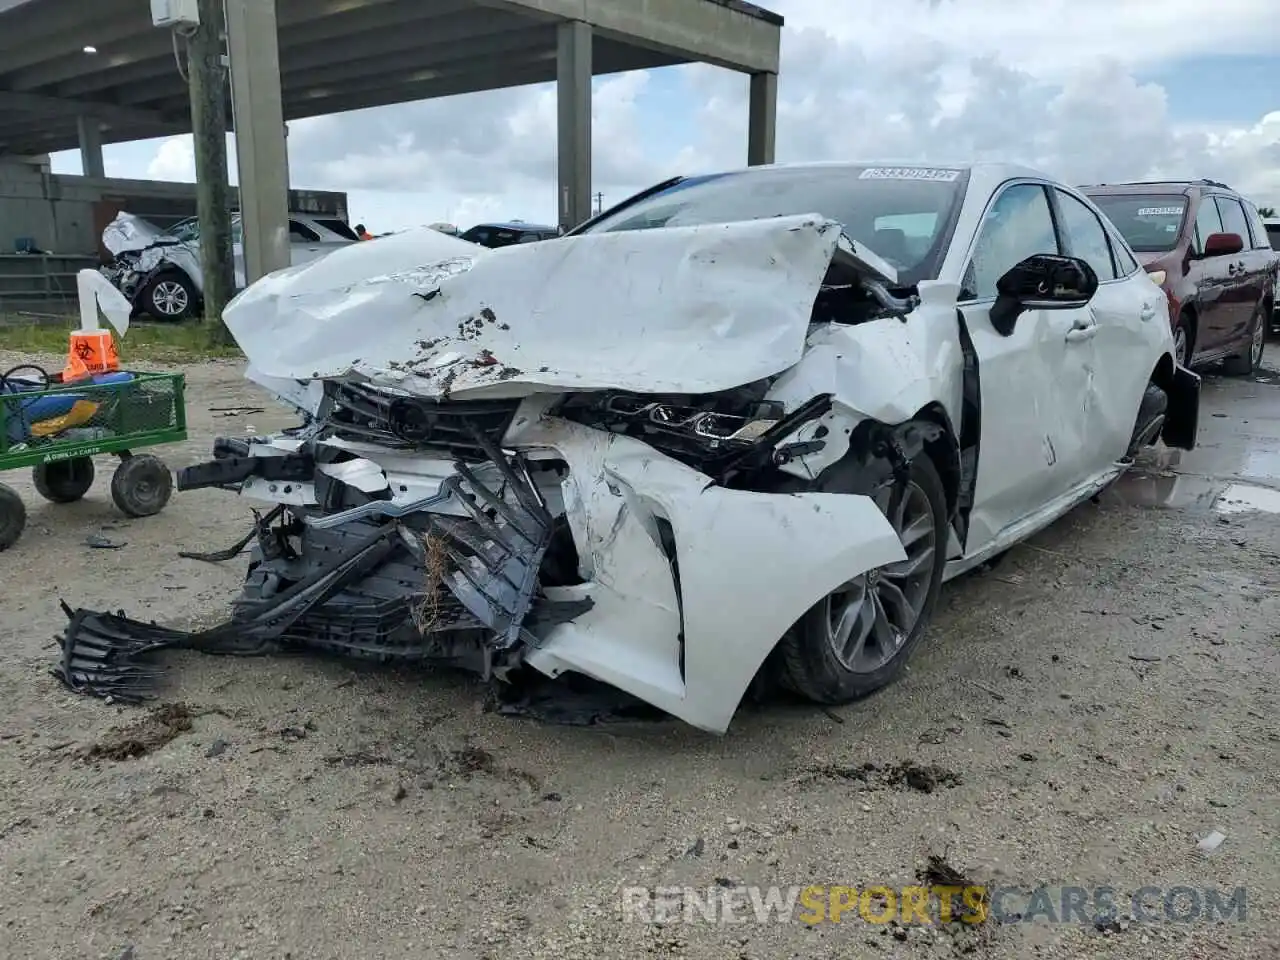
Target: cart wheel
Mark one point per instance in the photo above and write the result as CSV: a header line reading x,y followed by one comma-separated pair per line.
x,y
13,516
141,485
64,481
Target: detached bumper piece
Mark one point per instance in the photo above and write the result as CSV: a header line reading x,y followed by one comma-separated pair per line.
x,y
104,654
423,587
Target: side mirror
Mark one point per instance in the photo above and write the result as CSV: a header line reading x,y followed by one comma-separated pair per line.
x,y
1223,244
1042,281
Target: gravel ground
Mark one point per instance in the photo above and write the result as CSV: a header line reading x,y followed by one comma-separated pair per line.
x,y
1080,716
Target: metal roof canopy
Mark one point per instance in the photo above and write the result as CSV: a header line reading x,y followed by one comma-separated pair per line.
x,y
340,55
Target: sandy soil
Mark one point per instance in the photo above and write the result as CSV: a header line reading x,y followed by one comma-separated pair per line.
x,y
1082,715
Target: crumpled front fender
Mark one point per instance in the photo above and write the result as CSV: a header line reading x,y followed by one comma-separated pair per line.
x,y
685,620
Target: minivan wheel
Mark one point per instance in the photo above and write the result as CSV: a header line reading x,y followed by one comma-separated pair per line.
x,y
858,638
1181,343
1245,363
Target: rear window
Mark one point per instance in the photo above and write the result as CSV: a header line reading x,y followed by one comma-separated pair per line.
x,y
1273,234
339,227
491,236
1149,224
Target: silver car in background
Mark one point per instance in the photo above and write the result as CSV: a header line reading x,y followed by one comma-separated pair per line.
x,y
159,269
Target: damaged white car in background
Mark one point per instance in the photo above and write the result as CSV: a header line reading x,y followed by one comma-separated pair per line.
x,y
739,427
159,270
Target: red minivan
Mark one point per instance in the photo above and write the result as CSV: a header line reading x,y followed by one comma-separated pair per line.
x,y
1208,249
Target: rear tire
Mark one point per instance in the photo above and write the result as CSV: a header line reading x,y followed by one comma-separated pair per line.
x,y
821,666
1244,364
13,516
63,481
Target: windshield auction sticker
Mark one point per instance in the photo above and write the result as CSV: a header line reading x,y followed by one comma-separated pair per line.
x,y
1160,212
909,173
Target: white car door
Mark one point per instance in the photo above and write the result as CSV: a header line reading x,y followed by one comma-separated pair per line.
x,y
1033,444
1126,313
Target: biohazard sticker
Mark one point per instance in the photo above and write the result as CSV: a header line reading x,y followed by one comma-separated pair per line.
x,y
932,174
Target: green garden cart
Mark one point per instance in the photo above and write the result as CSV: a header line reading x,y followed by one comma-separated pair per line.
x,y
58,428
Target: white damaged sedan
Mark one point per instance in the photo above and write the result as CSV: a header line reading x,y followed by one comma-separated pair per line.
x,y
739,424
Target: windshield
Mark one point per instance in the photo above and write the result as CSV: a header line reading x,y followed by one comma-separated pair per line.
x,y
185,230
904,214
1273,234
1151,224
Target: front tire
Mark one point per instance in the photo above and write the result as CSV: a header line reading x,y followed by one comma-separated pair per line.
x,y
170,296
1244,364
858,639
141,485
1150,419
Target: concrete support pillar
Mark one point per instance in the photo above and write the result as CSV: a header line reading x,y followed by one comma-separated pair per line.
x,y
762,120
573,93
253,47
90,131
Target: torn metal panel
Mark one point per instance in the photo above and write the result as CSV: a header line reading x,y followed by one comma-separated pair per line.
x,y
694,654
131,233
733,306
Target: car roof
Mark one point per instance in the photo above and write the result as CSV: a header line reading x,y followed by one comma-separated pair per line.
x,y
515,225
982,173
1142,187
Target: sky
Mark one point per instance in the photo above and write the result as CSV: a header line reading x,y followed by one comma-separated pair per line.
x,y
1086,90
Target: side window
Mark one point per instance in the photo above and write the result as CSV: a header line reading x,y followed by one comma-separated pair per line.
x,y
1257,230
300,233
1126,263
1085,236
1208,222
1233,220
1017,225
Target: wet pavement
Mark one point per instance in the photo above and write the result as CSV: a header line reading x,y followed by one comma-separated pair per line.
x,y
1235,467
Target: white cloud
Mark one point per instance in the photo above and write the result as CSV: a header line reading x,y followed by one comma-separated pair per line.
x,y
174,160
921,79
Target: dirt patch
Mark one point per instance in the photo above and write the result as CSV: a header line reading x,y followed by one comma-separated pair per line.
x,y
161,725
906,775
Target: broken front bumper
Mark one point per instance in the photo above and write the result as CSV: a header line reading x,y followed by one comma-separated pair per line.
x,y
584,552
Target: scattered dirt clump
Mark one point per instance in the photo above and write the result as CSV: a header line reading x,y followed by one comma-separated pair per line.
x,y
160,725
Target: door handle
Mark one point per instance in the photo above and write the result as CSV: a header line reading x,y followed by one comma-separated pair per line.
x,y
1148,312
1082,332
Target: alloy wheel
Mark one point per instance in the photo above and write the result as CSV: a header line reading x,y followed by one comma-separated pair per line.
x,y
1180,346
169,297
1259,338
869,618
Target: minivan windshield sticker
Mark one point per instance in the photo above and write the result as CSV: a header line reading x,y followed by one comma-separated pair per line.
x,y
1160,212
908,173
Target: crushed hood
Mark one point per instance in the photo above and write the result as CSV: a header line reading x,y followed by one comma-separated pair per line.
x,y
677,310
128,233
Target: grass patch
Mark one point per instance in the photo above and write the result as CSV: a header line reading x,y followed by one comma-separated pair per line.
x,y
185,342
